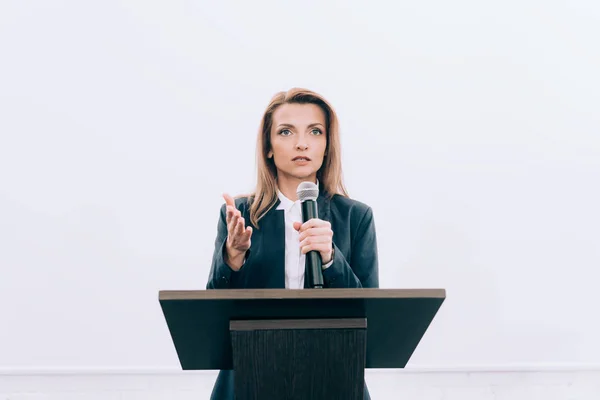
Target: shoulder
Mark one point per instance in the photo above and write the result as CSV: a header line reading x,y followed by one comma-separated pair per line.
x,y
242,203
356,210
342,202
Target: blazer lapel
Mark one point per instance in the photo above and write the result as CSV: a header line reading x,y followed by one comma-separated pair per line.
x,y
324,207
273,248
324,213
272,241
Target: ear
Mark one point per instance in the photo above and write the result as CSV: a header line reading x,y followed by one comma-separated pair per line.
x,y
270,154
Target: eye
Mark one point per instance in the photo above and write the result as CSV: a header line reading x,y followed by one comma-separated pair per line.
x,y
316,131
285,132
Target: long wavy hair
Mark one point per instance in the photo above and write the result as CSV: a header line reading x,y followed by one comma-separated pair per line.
x,y
329,175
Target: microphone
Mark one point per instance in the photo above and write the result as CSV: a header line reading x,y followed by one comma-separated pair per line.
x,y
307,194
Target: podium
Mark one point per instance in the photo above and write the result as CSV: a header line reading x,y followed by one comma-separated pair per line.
x,y
298,343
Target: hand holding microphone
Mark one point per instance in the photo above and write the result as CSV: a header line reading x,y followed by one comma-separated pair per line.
x,y
238,235
315,235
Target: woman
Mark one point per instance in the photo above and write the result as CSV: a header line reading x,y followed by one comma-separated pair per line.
x,y
261,240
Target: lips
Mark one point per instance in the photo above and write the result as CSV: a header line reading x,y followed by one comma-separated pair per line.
x,y
301,158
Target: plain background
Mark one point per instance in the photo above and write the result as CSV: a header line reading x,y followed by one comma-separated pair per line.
x,y
471,128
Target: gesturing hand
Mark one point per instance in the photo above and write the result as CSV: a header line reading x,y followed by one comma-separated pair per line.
x,y
316,234
238,235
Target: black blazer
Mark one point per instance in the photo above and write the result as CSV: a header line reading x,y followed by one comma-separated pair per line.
x,y
355,261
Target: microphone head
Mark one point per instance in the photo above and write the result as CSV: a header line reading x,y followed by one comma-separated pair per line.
x,y
307,191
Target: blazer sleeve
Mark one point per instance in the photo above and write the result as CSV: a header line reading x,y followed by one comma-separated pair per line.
x,y
363,272
221,276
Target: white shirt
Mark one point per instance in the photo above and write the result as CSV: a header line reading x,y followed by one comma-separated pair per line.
x,y
294,259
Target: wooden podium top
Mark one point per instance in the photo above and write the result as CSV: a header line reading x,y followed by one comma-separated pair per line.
x,y
199,320
223,294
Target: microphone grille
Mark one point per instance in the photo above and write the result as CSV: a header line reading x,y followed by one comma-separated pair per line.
x,y
307,191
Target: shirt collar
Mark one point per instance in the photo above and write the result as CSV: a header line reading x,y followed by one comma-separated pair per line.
x,y
285,203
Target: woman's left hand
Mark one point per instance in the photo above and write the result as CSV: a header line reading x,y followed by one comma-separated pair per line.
x,y
316,234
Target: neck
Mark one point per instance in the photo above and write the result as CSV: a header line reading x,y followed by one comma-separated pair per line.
x,y
288,185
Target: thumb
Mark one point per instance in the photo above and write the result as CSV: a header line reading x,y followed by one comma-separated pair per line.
x,y
297,225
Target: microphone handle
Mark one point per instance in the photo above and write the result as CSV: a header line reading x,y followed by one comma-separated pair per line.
x,y
313,266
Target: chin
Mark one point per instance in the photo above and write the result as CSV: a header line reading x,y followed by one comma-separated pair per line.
x,y
301,175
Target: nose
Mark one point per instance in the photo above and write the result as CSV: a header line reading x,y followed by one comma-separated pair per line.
x,y
301,144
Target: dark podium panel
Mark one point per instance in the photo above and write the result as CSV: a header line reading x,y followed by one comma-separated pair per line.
x,y
305,343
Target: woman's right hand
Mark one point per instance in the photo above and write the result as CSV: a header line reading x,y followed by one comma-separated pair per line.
x,y
238,235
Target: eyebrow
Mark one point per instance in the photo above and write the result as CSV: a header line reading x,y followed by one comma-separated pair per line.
x,y
292,126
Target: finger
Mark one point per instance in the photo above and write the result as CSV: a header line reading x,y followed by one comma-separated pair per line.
x,y
229,214
239,229
229,200
247,234
316,240
311,223
315,232
314,223
235,214
320,247
297,225
232,224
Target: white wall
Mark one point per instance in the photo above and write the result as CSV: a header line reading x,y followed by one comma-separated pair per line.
x,y
471,128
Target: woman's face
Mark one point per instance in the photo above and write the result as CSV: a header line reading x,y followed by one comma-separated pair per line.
x,y
298,141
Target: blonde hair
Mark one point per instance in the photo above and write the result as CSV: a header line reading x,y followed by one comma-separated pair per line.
x,y
330,173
